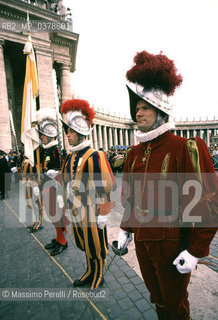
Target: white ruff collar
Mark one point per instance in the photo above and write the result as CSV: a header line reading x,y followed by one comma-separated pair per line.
x,y
50,144
80,146
151,135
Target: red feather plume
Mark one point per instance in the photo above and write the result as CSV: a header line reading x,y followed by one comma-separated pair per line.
x,y
154,72
79,105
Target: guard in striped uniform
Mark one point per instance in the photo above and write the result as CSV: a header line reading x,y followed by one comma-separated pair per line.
x,y
49,166
88,181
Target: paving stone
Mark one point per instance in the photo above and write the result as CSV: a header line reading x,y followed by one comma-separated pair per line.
x,y
146,295
123,281
108,303
142,305
134,295
66,309
20,310
123,317
113,267
150,315
133,314
7,317
116,311
125,303
141,288
128,287
136,280
113,285
119,294
6,310
130,273
118,274
120,262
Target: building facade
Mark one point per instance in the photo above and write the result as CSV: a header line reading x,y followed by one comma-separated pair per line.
x,y
55,49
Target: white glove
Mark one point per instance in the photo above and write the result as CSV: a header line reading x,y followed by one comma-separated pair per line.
x,y
124,239
185,262
14,169
60,201
36,191
101,221
52,174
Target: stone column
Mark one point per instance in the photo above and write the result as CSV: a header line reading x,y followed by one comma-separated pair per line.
x,y
110,138
65,82
212,133
5,131
126,137
188,134
105,139
121,137
90,138
95,140
135,140
181,133
208,137
65,93
131,137
115,137
201,133
45,78
100,144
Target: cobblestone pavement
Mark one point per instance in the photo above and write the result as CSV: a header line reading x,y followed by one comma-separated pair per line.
x,y
25,263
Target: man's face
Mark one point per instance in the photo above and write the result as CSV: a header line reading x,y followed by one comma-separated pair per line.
x,y
146,115
73,137
44,139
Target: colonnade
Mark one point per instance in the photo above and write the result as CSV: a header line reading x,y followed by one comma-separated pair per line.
x,y
205,133
106,134
105,137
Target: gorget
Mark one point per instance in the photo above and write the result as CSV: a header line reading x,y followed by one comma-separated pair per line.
x,y
50,144
151,135
81,146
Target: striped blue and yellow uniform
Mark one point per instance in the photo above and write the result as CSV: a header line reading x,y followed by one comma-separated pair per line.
x,y
88,179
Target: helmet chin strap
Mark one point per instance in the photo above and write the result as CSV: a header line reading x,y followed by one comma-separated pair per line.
x,y
49,139
161,119
81,138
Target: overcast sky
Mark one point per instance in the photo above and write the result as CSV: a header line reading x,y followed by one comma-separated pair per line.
x,y
112,32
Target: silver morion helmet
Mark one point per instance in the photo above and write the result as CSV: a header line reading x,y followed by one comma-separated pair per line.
x,y
47,122
155,97
77,121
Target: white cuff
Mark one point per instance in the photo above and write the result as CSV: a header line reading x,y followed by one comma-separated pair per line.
x,y
124,239
185,262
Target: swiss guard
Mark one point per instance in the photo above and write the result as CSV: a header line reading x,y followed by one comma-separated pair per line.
x,y
49,163
48,121
88,182
169,240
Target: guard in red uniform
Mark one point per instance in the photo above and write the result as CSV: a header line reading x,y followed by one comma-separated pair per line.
x,y
161,177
